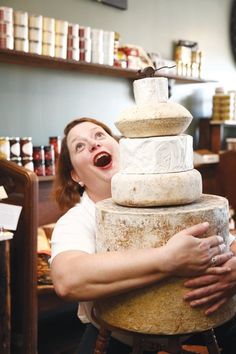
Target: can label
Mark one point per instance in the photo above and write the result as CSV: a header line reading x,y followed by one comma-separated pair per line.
x,y
4,148
14,149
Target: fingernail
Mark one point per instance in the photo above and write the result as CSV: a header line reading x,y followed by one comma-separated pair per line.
x,y
220,238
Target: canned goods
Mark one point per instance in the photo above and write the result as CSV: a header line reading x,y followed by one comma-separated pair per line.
x,y
73,29
56,142
39,160
17,160
49,160
6,14
14,147
6,42
49,24
36,21
73,54
6,29
27,162
61,27
4,148
21,44
26,147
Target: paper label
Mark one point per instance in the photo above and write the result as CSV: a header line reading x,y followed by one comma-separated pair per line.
x,y
9,216
3,193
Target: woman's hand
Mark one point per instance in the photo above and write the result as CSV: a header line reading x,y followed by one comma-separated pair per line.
x,y
212,290
186,254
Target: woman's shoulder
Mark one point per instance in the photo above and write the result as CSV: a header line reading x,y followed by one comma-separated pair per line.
x,y
82,209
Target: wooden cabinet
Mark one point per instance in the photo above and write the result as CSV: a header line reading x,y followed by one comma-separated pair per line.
x,y
212,134
31,303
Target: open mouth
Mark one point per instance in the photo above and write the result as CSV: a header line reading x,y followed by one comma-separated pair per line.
x,y
102,159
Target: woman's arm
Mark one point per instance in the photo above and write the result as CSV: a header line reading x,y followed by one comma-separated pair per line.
x,y
82,276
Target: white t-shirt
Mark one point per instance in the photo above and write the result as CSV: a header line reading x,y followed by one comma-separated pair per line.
x,y
75,230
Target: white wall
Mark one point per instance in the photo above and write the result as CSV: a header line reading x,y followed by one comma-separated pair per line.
x,y
39,102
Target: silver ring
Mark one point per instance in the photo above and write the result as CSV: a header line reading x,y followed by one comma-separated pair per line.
x,y
213,261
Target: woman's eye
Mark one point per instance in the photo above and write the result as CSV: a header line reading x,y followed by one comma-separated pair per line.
x,y
79,147
99,135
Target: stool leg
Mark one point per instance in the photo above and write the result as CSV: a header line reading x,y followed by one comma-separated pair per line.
x,y
211,342
102,341
137,346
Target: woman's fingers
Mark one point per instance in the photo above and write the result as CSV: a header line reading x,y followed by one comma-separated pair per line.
x,y
218,259
200,281
216,306
214,242
197,230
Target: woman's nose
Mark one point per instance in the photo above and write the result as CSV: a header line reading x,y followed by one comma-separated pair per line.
x,y
93,145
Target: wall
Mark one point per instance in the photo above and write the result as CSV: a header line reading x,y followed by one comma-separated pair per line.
x,y
39,102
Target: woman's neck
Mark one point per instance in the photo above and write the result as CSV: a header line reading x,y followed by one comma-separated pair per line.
x,y
99,194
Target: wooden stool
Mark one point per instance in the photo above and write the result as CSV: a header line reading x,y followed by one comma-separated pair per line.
x,y
149,342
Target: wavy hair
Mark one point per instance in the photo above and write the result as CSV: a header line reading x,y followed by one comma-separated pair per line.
x,y
66,191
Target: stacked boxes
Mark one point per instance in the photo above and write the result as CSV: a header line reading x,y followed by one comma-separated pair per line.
x,y
223,105
35,34
85,43
21,41
6,28
73,50
108,47
61,29
48,36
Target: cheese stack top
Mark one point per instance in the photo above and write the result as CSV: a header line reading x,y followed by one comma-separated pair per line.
x,y
153,114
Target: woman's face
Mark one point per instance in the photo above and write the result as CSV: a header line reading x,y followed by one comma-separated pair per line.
x,y
94,154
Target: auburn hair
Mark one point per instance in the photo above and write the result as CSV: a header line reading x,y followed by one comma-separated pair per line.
x,y
66,191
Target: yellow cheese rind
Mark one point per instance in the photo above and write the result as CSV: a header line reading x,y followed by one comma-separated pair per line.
x,y
158,309
153,120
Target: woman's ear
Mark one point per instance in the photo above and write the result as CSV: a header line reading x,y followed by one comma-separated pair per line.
x,y
74,176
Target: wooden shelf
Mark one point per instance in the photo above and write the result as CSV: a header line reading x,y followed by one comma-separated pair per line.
x,y
225,122
34,60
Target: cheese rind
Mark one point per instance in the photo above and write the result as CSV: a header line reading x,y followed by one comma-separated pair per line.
x,y
159,308
143,190
164,154
150,90
153,120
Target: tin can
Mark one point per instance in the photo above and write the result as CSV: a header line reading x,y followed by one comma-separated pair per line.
x,y
26,147
4,148
27,162
17,160
49,160
14,147
56,142
39,160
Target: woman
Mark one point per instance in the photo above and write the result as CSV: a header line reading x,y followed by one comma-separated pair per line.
x,y
88,160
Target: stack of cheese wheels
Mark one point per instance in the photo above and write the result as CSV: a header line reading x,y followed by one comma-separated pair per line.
x,y
156,164
156,171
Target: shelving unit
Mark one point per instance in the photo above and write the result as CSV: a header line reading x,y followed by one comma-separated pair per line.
x,y
34,60
211,133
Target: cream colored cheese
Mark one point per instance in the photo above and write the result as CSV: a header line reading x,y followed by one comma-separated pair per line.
x,y
164,154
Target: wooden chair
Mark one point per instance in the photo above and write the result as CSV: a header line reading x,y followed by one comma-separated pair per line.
x,y
29,301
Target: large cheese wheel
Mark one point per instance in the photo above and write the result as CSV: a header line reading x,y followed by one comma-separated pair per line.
x,y
143,190
163,154
160,308
153,120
